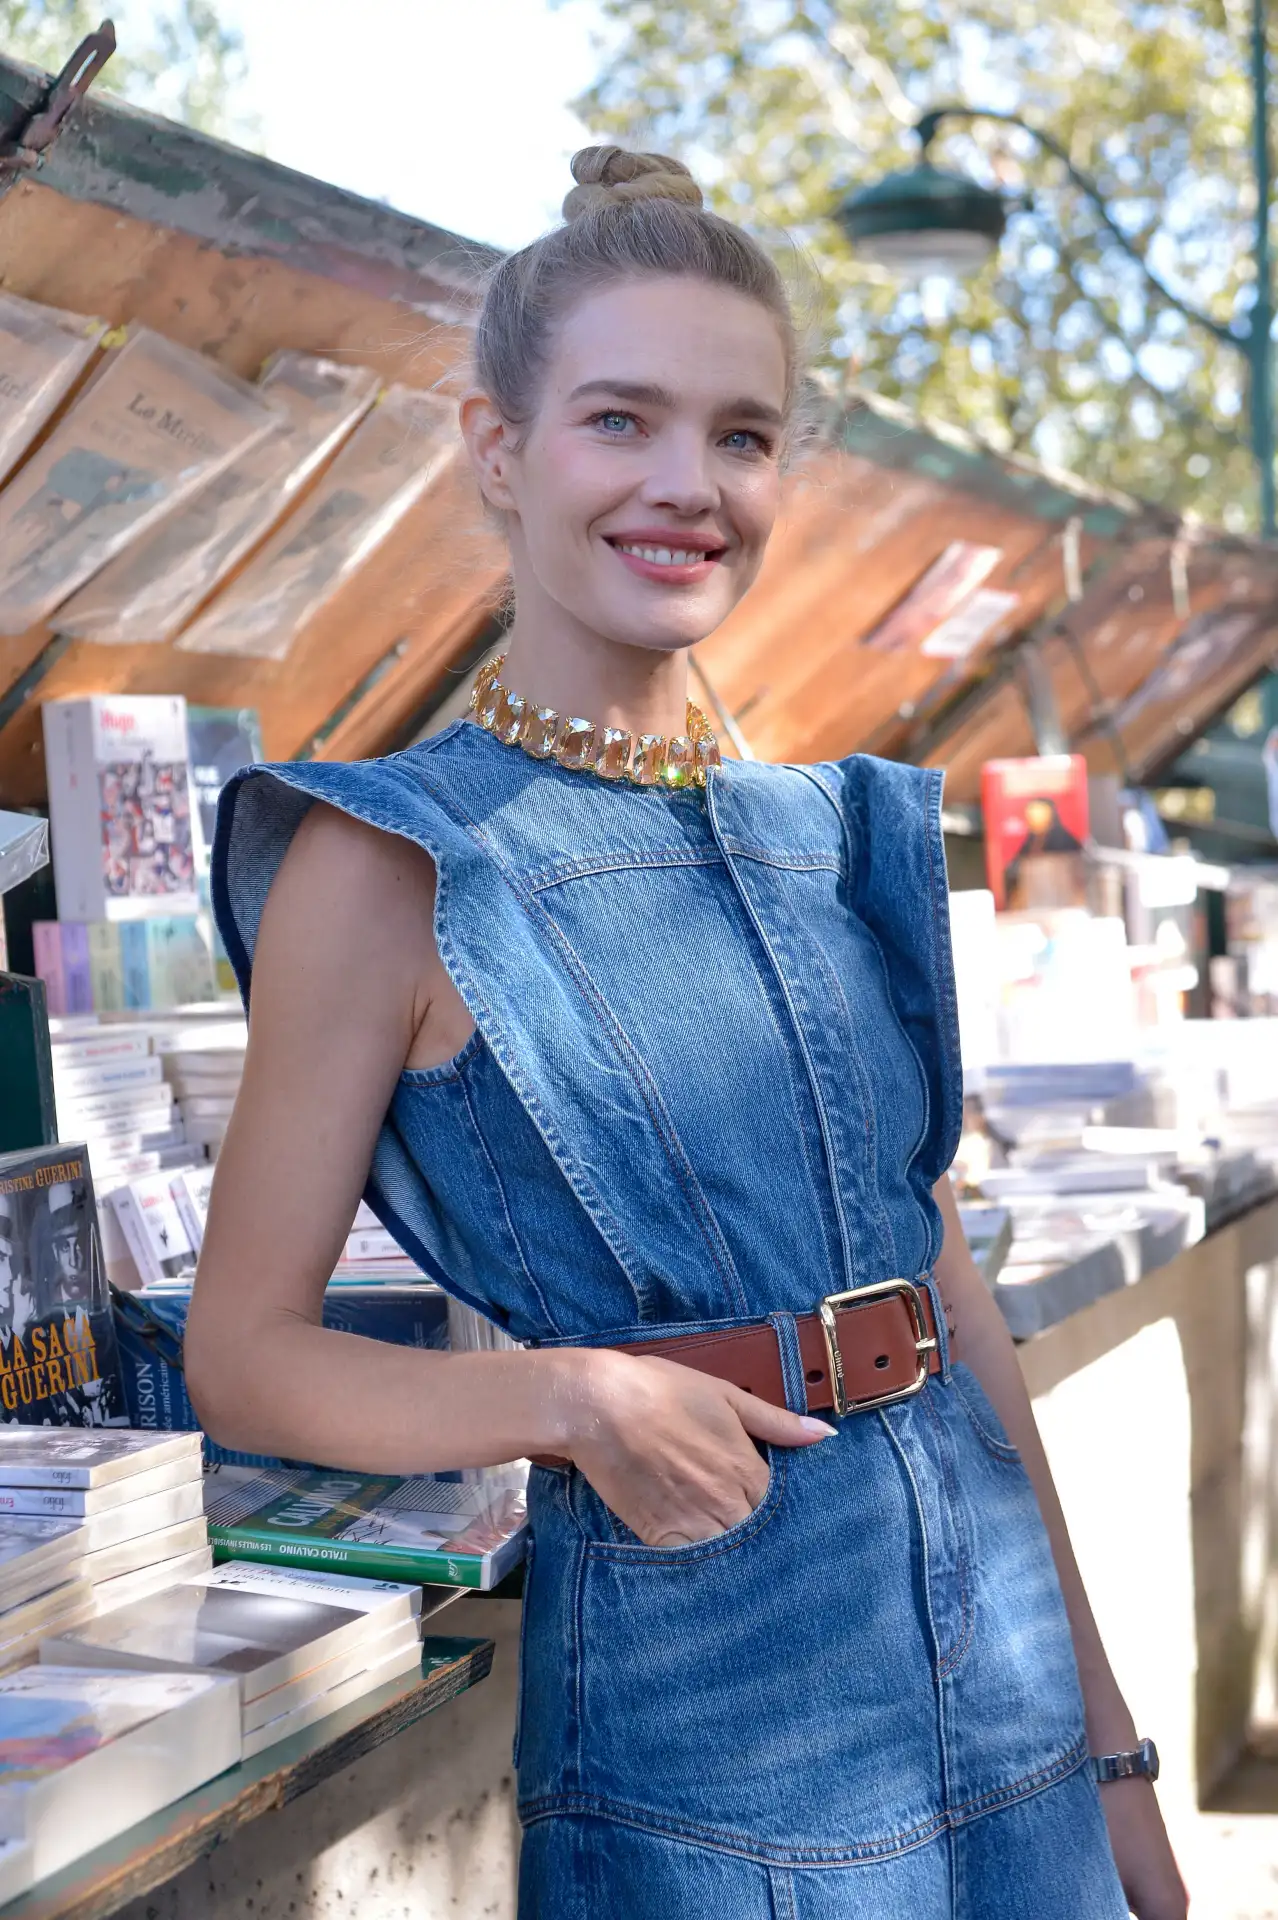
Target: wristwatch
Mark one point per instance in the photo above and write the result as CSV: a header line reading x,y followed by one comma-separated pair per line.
x,y
1141,1760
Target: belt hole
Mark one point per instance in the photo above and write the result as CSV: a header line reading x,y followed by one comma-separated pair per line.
x,y
814,1375
884,1360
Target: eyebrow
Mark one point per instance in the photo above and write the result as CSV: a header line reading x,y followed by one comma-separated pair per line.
x,y
650,396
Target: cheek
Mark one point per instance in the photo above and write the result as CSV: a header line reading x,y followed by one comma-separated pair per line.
x,y
755,507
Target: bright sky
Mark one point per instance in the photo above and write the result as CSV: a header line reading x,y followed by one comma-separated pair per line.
x,y
453,110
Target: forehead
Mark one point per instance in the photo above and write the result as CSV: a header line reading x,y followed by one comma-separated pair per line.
x,y
701,342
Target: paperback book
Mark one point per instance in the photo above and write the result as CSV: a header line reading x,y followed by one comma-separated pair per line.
x,y
59,1365
85,1755
440,1532
91,1461
120,806
156,422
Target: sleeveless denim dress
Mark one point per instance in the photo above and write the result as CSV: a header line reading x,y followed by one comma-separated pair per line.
x,y
714,1077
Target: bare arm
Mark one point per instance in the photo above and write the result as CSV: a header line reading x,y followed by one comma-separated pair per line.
x,y
983,1343
342,984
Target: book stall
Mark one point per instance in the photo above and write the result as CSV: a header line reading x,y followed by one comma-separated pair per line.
x,y
189,1636
232,527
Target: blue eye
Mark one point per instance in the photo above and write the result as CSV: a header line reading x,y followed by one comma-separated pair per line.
x,y
743,440
613,421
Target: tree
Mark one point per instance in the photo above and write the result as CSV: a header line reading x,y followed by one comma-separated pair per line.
x,y
1058,347
188,68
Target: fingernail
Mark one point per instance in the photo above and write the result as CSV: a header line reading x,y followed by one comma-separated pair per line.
x,y
819,1429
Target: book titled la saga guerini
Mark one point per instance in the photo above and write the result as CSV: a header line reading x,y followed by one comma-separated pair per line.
x,y
59,1365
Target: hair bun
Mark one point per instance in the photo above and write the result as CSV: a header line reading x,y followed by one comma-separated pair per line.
x,y
610,176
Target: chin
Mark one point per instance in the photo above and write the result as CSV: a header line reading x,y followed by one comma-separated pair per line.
x,y
660,629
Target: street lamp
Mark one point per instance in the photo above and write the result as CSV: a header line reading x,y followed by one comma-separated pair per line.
x,y
928,219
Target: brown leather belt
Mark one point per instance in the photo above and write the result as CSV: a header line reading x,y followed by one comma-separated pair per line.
x,y
869,1348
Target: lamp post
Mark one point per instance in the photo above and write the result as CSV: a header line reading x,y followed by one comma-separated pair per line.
x,y
930,217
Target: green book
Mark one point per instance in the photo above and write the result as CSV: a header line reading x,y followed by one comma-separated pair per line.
x,y
27,1114
421,1530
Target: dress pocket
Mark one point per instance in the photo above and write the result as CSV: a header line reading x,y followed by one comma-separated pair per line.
x,y
609,1538
982,1416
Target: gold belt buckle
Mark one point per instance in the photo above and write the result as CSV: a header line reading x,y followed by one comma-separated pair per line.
x,y
924,1342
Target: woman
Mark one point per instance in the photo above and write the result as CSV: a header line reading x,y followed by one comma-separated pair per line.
x,y
625,1057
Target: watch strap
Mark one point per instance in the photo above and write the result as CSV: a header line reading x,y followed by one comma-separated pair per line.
x,y
1137,1762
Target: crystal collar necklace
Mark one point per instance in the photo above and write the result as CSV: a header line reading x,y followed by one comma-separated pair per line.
x,y
659,759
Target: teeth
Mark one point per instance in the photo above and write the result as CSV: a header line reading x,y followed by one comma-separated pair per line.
x,y
664,556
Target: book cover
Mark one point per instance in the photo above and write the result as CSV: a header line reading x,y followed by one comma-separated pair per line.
x,y
91,1460
43,351
120,809
156,421
28,1117
1036,826
58,1360
62,962
388,463
421,1529
84,1755
167,961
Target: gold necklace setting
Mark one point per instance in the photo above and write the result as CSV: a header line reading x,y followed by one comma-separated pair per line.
x,y
653,760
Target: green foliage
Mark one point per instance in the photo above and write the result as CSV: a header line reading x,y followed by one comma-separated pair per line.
x,y
188,66
1058,347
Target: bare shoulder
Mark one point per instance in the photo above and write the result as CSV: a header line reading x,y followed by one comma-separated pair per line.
x,y
353,894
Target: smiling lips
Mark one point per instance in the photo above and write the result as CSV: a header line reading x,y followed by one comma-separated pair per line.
x,y
657,557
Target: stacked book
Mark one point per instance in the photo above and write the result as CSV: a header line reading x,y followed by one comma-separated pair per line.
x,y
371,1253
85,1755
298,1645
111,1093
204,1063
91,1521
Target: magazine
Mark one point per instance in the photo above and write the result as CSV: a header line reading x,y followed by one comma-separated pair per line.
x,y
385,467
58,1360
42,352
154,586
155,422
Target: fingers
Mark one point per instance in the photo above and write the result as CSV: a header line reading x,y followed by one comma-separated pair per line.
x,y
776,1426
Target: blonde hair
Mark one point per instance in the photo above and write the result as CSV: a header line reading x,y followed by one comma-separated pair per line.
x,y
630,216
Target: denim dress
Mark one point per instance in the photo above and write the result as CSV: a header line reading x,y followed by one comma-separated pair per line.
x,y
714,1077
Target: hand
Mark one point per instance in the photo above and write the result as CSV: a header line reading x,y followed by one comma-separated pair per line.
x,y
671,1450
1146,1866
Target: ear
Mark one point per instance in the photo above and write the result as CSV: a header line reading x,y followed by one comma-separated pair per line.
x,y
487,442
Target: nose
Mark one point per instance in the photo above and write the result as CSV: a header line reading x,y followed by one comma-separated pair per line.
x,y
680,475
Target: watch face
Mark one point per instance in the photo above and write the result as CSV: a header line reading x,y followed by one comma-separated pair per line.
x,y
1149,1753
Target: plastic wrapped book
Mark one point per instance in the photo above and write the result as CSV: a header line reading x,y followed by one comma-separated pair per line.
x,y
58,1360
385,467
43,350
157,583
85,1755
430,1529
155,423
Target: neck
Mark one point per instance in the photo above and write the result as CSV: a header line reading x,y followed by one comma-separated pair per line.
x,y
561,664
